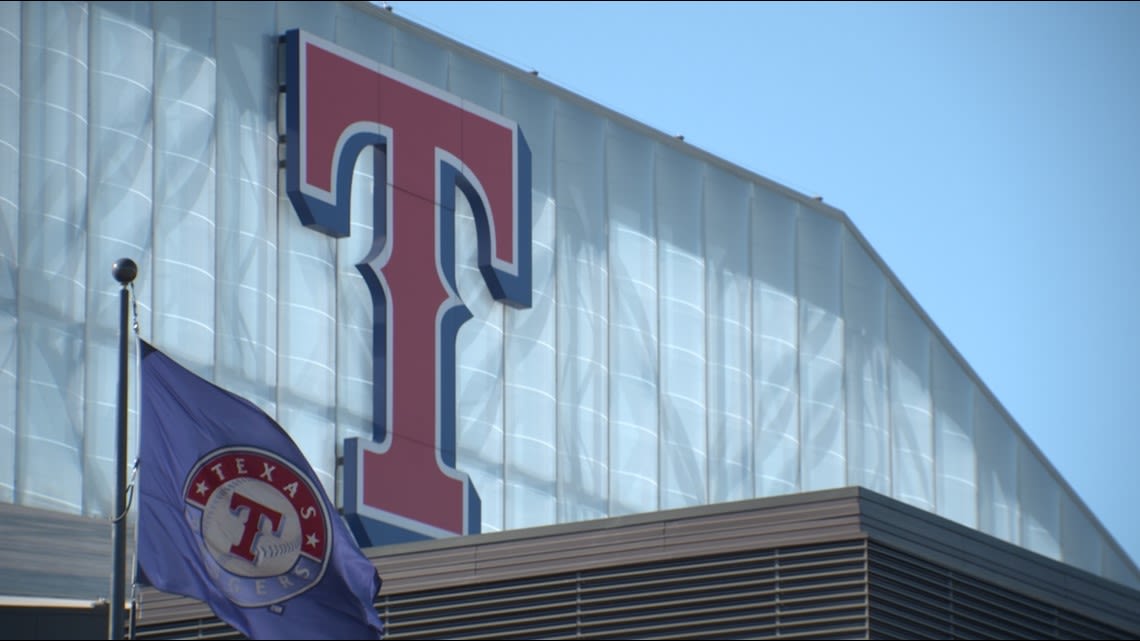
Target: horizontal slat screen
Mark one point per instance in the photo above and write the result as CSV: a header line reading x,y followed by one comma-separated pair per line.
x,y
810,591
912,598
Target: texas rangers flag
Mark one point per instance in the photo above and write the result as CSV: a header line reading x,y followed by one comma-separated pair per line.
x,y
231,513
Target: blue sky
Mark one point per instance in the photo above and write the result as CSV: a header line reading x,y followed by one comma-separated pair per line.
x,y
989,152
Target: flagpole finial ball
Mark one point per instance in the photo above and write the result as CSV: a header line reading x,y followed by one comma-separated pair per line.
x,y
124,270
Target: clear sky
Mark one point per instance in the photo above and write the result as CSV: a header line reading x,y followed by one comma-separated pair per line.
x,y
989,152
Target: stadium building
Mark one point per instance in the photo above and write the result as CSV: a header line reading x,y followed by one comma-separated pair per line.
x,y
619,388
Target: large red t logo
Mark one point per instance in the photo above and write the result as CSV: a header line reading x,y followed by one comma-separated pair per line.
x,y
402,485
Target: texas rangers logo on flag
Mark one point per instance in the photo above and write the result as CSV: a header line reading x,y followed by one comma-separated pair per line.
x,y
260,522
403,483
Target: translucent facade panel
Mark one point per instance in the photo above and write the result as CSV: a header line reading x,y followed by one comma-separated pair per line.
x,y
1039,500
8,400
912,415
728,226
997,473
582,292
819,251
354,304
354,362
184,165
682,312
865,369
955,447
1081,545
420,58
246,213
361,33
479,372
633,337
10,90
1117,567
531,463
52,247
120,200
306,307
775,343
474,83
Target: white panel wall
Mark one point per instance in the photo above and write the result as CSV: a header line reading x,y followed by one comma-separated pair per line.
x,y
819,283
775,344
865,370
634,333
10,125
530,346
728,286
51,289
119,219
912,421
479,345
307,306
682,309
582,296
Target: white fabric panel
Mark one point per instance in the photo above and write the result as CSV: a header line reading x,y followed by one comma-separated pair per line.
x,y
682,308
531,414
307,330
354,343
8,399
52,295
356,30
997,473
118,221
818,252
419,58
1116,567
320,20
1081,545
355,318
184,235
10,91
775,343
728,228
479,375
474,83
1039,499
912,420
633,324
479,344
582,275
865,370
955,459
246,215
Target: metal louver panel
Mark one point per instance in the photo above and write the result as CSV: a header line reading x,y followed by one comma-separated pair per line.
x,y
912,598
807,590
802,591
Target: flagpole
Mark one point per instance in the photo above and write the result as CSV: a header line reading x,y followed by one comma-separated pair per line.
x,y
124,270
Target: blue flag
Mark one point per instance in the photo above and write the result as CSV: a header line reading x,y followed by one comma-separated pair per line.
x,y
231,514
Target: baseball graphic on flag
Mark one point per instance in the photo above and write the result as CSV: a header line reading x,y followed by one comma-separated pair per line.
x,y
276,542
